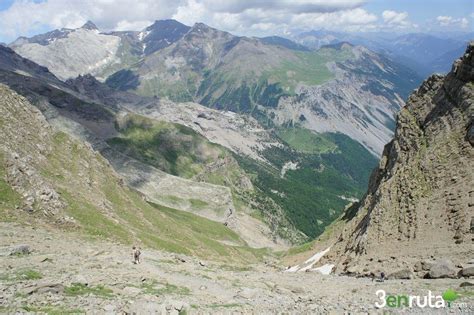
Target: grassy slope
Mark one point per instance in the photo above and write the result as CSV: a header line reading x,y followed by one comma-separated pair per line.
x,y
9,199
331,165
239,88
310,68
179,91
129,218
173,148
306,141
126,217
181,151
229,88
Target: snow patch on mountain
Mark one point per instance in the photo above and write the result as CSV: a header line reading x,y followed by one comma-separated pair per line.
x,y
310,262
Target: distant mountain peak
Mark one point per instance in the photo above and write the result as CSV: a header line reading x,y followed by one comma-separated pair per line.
x,y
201,26
165,22
89,26
284,42
161,34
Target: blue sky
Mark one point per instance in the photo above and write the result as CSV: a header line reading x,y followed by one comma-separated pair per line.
x,y
421,10
253,17
5,4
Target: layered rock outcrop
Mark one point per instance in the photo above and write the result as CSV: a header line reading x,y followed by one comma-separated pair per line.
x,y
420,200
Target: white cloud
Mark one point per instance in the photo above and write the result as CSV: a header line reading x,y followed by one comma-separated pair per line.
x,y
26,16
449,21
350,19
242,17
258,18
126,25
290,6
444,20
394,18
252,17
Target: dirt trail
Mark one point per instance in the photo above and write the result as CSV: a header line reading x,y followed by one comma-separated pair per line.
x,y
165,283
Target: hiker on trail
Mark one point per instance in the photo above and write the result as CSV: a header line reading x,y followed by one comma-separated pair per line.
x,y
136,255
382,276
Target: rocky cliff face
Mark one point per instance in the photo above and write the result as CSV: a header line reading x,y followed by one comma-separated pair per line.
x,y
25,141
69,53
361,101
420,200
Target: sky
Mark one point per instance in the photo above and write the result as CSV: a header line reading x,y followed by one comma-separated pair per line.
x,y
241,17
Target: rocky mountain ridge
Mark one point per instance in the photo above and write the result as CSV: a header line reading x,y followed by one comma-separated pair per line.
x,y
272,79
419,205
71,52
424,53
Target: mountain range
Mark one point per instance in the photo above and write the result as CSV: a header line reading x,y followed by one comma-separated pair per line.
x,y
178,153
424,53
243,170
283,133
277,83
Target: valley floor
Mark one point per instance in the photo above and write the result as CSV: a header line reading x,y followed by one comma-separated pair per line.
x,y
67,273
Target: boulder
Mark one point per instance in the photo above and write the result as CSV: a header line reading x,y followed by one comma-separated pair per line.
x,y
144,307
468,271
180,306
443,268
354,270
80,279
109,308
15,250
401,274
426,265
56,288
417,267
470,134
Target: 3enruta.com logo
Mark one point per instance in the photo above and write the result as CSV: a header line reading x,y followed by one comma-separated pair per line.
x,y
429,300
